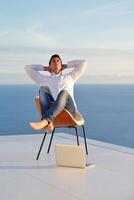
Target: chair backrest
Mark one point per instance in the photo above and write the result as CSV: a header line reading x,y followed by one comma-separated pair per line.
x,y
64,118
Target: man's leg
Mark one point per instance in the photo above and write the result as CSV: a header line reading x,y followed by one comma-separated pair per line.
x,y
45,98
64,100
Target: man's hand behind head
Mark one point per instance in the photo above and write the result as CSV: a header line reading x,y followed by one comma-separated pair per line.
x,y
48,69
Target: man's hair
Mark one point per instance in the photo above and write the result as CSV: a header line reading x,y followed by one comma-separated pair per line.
x,y
53,56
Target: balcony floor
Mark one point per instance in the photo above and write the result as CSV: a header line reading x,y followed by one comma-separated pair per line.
x,y
23,178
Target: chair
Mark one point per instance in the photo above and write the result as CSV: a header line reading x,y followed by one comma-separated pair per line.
x,y
66,120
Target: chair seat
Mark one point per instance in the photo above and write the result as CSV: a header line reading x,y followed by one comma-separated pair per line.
x,y
65,118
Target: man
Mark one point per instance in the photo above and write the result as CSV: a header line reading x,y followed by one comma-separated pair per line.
x,y
56,90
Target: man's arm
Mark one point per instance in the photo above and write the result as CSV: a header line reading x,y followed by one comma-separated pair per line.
x,y
64,66
78,68
34,72
47,69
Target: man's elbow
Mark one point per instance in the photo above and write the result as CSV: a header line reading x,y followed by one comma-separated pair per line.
x,y
27,68
84,63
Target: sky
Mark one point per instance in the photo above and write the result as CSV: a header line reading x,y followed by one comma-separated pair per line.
x,y
100,31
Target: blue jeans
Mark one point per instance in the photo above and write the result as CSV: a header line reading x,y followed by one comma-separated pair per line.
x,y
50,108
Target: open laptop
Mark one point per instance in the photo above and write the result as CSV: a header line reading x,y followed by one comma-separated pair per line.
x,y
70,155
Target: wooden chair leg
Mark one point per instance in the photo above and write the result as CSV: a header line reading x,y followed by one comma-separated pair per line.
x,y
50,140
84,133
77,136
41,145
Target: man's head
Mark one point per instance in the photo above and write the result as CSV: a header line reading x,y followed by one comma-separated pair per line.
x,y
55,64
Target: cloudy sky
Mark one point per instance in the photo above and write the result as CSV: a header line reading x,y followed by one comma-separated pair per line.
x,y
102,32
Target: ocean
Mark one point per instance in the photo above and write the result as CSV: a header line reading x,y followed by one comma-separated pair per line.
x,y
108,111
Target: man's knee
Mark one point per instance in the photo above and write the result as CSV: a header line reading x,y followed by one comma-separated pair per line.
x,y
64,93
44,89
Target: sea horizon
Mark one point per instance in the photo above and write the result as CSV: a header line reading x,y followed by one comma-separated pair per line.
x,y
107,108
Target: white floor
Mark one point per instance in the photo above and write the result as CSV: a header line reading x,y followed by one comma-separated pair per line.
x,y
24,178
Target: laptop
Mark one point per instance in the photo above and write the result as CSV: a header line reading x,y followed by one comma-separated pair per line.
x,y
70,155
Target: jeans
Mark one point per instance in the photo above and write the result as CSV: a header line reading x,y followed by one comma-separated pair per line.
x,y
50,108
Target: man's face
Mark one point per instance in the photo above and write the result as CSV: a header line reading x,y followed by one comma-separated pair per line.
x,y
55,65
